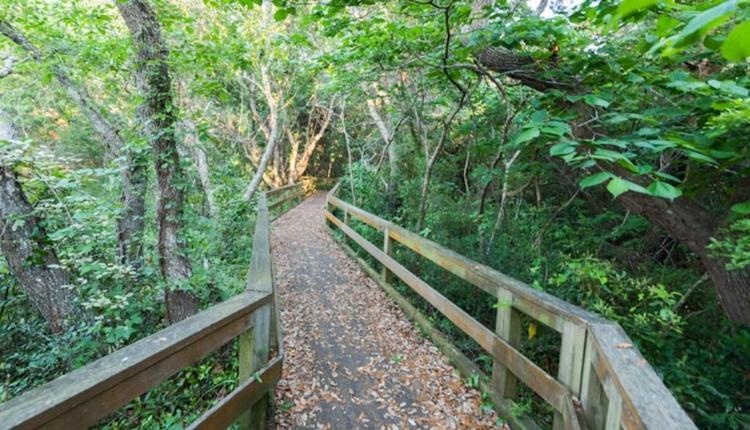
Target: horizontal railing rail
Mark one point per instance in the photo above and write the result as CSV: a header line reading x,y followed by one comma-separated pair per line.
x,y
84,396
603,382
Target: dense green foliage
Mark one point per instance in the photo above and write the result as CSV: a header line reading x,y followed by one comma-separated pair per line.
x,y
537,174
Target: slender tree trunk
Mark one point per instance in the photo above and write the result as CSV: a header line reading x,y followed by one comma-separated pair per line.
x,y
158,115
388,138
272,135
294,143
310,146
200,159
503,199
432,158
348,154
30,257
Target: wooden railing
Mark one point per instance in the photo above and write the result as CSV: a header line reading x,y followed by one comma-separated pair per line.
x,y
603,382
84,396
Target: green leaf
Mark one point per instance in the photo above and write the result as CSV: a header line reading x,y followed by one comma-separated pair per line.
x,y
729,87
737,45
595,101
596,179
663,189
526,135
606,154
556,128
700,157
561,148
629,7
742,208
706,20
617,186
280,14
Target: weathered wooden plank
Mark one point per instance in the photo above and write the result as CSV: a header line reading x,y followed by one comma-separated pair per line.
x,y
539,305
645,399
614,409
260,274
547,387
255,346
592,392
82,397
388,250
508,327
570,364
224,413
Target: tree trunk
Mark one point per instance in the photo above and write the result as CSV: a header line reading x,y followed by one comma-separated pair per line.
x,y
200,159
387,135
132,167
271,137
157,113
294,143
24,243
693,226
310,146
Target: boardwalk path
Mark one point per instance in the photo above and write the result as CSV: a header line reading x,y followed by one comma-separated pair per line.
x,y
353,359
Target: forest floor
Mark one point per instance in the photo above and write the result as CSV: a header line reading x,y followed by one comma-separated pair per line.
x,y
353,360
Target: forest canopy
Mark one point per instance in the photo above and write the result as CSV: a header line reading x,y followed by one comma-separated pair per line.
x,y
596,150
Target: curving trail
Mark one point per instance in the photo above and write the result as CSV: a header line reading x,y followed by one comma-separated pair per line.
x,y
353,360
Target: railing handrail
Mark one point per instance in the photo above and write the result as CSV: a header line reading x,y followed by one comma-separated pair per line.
x,y
66,402
84,396
597,357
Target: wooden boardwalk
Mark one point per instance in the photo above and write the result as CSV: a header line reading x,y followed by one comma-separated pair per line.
x,y
353,360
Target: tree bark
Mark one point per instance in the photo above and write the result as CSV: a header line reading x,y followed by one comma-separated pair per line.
x,y
388,138
310,146
200,160
158,115
294,152
693,226
132,167
271,131
24,243
431,158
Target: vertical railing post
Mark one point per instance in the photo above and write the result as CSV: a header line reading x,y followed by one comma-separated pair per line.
x,y
388,250
570,367
254,344
593,399
508,327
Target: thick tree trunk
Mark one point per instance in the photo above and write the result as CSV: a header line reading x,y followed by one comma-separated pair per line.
x,y
132,167
693,226
157,113
27,251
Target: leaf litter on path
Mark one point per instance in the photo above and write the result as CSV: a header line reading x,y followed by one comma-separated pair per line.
x,y
353,360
